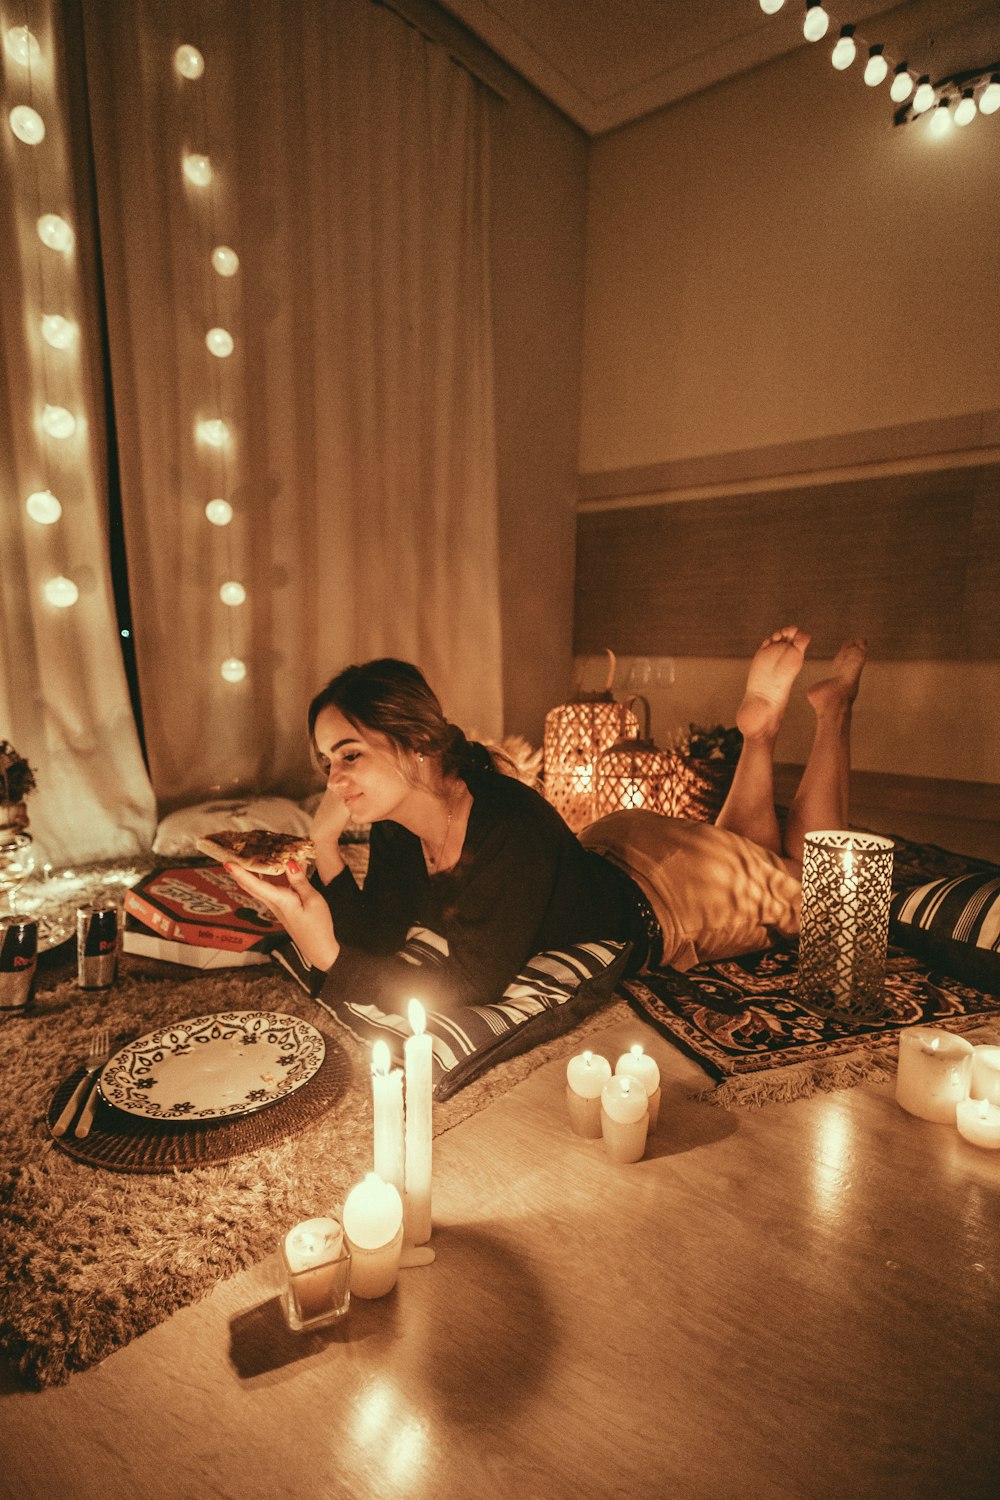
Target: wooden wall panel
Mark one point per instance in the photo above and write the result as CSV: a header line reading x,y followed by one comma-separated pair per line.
x,y
911,562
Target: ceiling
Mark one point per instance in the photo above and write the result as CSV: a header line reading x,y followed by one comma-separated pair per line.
x,y
607,62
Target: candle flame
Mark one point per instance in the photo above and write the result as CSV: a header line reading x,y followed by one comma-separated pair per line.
x,y
636,1049
418,1017
381,1059
588,1058
935,1043
984,1109
625,1083
848,862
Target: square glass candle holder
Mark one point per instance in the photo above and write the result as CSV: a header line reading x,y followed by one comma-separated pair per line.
x,y
846,890
315,1274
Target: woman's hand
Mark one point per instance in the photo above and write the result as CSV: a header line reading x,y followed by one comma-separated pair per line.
x,y
331,818
299,908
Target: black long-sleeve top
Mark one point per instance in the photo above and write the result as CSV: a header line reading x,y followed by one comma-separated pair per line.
x,y
523,883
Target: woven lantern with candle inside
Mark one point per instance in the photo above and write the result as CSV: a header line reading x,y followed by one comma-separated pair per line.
x,y
633,772
846,890
576,734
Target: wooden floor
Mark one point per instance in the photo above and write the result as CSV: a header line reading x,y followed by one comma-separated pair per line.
x,y
800,1301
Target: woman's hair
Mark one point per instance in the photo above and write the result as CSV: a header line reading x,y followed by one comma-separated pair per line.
x,y
393,698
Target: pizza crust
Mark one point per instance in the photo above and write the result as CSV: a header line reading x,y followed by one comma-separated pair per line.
x,y
258,849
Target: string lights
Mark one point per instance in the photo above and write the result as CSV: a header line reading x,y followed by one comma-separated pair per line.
x,y
214,433
957,99
55,422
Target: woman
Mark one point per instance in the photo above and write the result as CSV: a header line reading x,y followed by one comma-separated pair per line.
x,y
484,862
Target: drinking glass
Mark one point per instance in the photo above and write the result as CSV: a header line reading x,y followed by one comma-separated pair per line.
x,y
17,860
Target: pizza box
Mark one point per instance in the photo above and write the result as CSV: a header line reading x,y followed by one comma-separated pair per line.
x,y
203,907
139,939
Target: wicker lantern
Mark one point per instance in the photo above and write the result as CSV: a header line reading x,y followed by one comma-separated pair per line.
x,y
576,734
633,772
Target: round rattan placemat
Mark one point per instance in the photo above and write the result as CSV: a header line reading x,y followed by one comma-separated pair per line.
x,y
126,1143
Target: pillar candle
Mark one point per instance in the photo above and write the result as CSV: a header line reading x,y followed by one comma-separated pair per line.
x,y
986,1074
586,1075
978,1121
373,1224
933,1072
418,1054
387,1110
624,1118
635,1063
317,1273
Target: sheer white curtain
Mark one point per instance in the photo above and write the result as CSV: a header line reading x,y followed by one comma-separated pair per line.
x,y
64,700
348,161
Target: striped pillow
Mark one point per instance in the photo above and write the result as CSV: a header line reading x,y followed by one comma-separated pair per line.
x,y
955,924
551,994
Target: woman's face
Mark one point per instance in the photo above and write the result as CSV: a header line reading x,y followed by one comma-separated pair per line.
x,y
361,766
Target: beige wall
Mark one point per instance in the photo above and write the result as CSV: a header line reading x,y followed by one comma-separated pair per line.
x,y
772,262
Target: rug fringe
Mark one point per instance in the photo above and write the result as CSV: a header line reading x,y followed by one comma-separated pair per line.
x,y
801,1080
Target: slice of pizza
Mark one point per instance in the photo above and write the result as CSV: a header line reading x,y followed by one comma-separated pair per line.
x,y
257,849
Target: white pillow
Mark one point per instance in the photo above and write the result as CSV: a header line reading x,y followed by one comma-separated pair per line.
x,y
177,832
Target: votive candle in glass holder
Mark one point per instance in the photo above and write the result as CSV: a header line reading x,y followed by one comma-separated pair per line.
x,y
846,890
933,1072
586,1075
316,1274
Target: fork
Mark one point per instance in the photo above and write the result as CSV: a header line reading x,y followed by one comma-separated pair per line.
x,y
100,1051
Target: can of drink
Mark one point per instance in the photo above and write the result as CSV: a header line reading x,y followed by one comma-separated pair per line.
x,y
96,946
18,960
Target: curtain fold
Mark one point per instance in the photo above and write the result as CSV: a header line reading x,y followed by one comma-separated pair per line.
x,y
64,699
349,162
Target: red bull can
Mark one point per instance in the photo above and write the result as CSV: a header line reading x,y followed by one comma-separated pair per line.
x,y
18,962
96,946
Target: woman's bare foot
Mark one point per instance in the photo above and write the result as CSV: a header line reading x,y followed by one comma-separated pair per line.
x,y
769,682
838,691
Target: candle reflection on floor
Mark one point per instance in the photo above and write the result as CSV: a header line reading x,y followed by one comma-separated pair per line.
x,y
832,1157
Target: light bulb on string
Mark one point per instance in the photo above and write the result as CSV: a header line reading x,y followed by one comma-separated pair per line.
x,y
965,109
197,169
27,124
233,670
219,342
62,592
233,594
876,68
55,233
58,422
219,512
225,261
771,7
924,97
189,62
989,99
57,331
43,507
845,49
940,122
213,431
816,23
22,45
901,86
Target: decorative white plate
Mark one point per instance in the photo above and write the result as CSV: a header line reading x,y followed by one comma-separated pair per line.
x,y
213,1067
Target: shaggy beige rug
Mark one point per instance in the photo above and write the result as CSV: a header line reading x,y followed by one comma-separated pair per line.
x,y
93,1258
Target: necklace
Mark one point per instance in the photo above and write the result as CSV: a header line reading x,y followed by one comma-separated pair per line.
x,y
433,860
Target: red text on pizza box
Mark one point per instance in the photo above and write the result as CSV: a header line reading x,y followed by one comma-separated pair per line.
x,y
204,907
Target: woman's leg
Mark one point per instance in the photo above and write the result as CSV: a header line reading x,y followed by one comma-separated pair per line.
x,y
821,800
749,807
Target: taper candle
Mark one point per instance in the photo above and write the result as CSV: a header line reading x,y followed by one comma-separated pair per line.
x,y
418,1055
387,1110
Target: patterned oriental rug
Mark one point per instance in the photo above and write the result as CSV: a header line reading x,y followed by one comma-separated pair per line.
x,y
742,1021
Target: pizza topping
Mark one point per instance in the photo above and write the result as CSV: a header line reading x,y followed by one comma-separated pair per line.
x,y
257,849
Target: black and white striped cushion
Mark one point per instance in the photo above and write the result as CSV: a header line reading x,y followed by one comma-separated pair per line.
x,y
552,992
954,923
